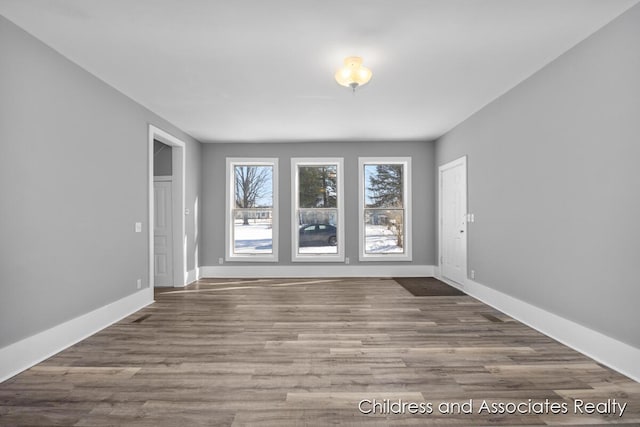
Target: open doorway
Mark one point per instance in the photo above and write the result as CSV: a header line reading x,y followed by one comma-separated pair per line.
x,y
167,237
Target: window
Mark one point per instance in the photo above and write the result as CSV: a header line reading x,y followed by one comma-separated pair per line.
x,y
317,210
385,208
252,216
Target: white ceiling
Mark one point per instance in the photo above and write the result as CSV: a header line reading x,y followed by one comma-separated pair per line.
x,y
262,70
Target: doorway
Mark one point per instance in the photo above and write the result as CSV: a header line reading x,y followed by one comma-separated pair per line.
x,y
452,189
168,255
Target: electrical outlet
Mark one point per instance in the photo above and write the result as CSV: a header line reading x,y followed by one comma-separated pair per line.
x,y
139,283
138,227
473,274
346,260
220,260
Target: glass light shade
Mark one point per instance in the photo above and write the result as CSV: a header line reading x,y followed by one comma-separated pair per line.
x,y
353,74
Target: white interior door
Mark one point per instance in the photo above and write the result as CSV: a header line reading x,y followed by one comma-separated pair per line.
x,y
453,220
162,234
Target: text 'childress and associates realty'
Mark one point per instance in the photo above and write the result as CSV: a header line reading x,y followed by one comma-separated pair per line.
x,y
610,407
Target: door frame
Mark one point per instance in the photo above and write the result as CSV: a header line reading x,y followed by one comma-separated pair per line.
x,y
462,161
178,164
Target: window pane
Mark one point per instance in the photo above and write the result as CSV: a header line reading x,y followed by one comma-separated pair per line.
x,y
252,227
317,216
383,186
384,231
252,232
318,231
317,186
253,186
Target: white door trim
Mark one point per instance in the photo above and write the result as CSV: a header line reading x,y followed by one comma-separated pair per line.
x,y
178,189
462,161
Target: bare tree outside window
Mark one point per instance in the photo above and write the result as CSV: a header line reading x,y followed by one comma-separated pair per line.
x,y
252,208
253,188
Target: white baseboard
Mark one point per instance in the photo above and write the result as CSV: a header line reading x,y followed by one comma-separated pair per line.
x,y
193,275
23,354
601,348
323,270
190,277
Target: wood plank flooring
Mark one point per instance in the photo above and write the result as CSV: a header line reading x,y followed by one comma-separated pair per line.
x,y
305,352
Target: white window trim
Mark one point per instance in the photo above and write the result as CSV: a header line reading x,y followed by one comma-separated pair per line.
x,y
407,255
230,197
298,257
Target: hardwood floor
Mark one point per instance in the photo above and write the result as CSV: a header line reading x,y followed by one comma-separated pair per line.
x,y
306,352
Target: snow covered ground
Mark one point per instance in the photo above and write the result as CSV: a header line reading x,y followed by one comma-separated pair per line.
x,y
318,250
381,240
253,238
257,237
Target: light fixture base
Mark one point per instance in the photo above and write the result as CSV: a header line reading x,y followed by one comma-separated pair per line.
x,y
353,74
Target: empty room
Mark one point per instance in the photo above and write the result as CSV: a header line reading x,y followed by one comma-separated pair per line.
x,y
300,212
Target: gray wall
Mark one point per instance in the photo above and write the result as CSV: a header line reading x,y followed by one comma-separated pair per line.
x,y
554,183
162,159
67,241
213,194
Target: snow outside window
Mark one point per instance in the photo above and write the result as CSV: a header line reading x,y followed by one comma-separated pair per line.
x,y
385,208
252,219
317,209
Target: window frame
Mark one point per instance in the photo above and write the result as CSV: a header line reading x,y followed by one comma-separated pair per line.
x,y
232,162
406,163
318,257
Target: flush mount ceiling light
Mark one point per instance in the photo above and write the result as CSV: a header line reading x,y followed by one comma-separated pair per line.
x,y
353,74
